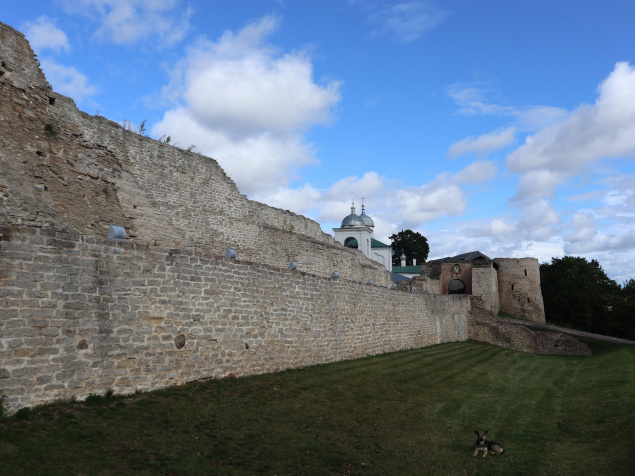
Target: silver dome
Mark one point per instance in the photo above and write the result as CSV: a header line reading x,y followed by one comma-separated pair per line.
x,y
352,220
368,221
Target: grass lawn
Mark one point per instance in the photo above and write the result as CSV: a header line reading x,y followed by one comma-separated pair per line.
x,y
411,412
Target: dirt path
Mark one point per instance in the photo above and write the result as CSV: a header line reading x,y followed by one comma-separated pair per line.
x,y
572,331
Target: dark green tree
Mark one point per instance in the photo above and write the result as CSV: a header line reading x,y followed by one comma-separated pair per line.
x,y
577,293
411,243
624,312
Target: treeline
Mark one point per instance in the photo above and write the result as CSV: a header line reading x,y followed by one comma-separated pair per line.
x,y
577,293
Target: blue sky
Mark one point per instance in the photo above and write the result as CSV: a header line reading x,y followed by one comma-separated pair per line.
x,y
498,126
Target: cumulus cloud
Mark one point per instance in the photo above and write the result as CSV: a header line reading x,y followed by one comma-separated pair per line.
x,y
605,129
619,194
248,106
538,183
392,206
484,144
45,37
128,21
473,173
586,238
413,206
67,80
555,154
538,117
43,34
539,222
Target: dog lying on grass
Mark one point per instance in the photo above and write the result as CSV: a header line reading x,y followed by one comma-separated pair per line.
x,y
483,445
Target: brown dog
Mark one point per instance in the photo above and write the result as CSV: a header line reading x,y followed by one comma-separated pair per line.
x,y
483,445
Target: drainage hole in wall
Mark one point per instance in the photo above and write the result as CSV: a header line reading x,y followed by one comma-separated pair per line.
x,y
246,346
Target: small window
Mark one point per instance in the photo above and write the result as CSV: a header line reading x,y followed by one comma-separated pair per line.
x,y
512,287
525,272
350,242
528,300
51,101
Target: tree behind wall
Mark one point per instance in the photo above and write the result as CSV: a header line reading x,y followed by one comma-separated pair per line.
x,y
577,293
412,244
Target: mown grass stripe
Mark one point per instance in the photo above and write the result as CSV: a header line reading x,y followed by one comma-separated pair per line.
x,y
411,412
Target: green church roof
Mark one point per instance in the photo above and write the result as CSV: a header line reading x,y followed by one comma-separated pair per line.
x,y
378,244
407,269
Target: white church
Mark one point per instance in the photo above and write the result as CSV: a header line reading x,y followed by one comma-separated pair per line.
x,y
358,231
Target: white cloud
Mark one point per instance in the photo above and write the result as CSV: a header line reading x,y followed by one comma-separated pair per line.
x,y
484,144
304,198
605,129
67,80
128,21
620,194
413,206
248,106
391,206
43,34
539,117
538,183
540,221
473,173
471,101
586,238
409,21
404,21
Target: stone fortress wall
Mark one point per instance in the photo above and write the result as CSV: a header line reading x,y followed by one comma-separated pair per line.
x,y
64,168
519,285
510,285
485,284
82,315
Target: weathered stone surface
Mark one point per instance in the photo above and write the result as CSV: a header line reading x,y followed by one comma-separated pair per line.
x,y
80,314
497,331
60,167
143,323
519,281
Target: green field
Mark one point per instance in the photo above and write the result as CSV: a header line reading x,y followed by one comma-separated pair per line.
x,y
411,412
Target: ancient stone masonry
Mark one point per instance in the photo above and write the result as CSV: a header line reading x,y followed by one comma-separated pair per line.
x,y
484,327
510,285
63,168
519,285
82,315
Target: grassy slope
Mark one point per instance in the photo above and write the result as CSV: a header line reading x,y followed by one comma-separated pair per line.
x,y
410,412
